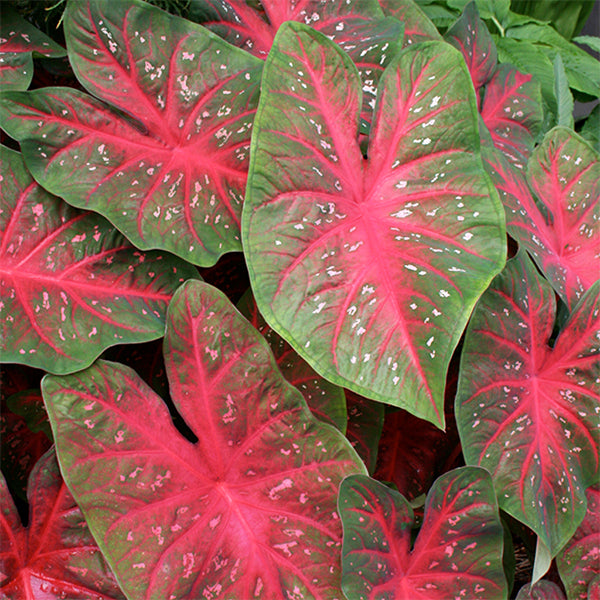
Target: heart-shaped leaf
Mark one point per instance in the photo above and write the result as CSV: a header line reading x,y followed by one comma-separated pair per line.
x,y
369,269
169,170
417,26
71,286
559,229
457,554
55,556
325,400
249,510
528,412
470,35
19,40
578,563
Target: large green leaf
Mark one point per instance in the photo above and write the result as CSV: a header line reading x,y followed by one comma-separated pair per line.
x,y
370,268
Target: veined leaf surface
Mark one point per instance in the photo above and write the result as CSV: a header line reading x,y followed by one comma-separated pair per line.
x,y
528,412
246,512
541,590
360,28
458,552
512,112
19,40
70,285
169,169
470,35
417,26
561,229
370,268
578,563
55,556
325,400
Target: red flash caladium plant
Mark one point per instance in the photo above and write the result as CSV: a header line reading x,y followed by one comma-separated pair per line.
x,y
361,167
248,511
370,267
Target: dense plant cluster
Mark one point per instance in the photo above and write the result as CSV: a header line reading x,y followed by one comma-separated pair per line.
x,y
299,300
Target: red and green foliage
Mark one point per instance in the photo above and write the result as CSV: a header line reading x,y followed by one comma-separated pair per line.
x,y
395,197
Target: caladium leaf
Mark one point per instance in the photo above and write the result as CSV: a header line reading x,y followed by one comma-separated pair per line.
x,y
325,400
542,590
578,561
512,111
458,552
370,269
55,556
249,510
170,172
560,230
526,411
564,174
528,58
19,41
70,285
360,28
470,35
365,424
417,26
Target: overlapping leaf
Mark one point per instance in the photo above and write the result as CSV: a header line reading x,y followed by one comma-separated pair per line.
x,y
360,28
70,285
325,400
512,111
542,590
19,40
578,562
560,229
55,556
528,412
417,26
249,510
470,35
370,268
458,552
169,168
